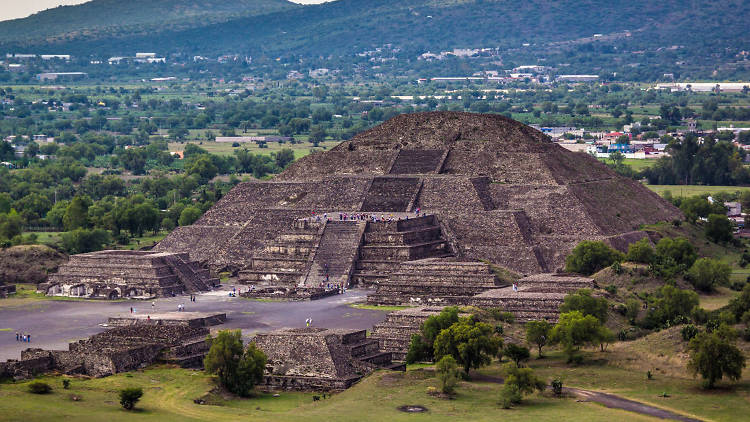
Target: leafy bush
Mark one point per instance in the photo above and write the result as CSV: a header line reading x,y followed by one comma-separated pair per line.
x,y
715,355
689,331
130,396
421,347
641,252
239,369
38,387
504,316
470,342
671,306
583,301
718,228
557,387
516,353
518,382
590,256
707,273
537,332
66,383
448,374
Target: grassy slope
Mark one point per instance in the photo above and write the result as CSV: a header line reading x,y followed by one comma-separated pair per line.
x,y
169,394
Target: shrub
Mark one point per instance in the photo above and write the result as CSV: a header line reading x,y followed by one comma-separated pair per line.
x,y
632,307
715,355
516,353
537,332
611,289
448,374
641,252
707,273
504,316
421,347
38,387
66,383
518,382
557,387
238,370
130,396
689,331
718,228
589,257
471,343
583,301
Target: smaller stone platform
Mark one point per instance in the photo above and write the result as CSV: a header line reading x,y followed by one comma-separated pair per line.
x,y
113,274
7,289
188,319
289,293
320,359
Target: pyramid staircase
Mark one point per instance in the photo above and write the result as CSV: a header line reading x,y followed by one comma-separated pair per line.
x,y
389,243
367,350
286,260
336,255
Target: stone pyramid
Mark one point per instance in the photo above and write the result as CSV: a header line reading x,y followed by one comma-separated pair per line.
x,y
486,188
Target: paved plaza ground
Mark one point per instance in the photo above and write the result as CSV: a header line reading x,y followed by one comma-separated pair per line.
x,y
54,323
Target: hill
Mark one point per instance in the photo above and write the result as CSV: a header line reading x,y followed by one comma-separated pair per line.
x,y
349,26
114,18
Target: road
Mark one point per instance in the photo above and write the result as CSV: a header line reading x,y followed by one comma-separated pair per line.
x,y
55,323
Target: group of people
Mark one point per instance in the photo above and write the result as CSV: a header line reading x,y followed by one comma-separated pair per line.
x,y
308,322
193,298
26,338
366,217
181,307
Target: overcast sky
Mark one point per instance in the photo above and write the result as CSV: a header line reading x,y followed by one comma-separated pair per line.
x,y
12,9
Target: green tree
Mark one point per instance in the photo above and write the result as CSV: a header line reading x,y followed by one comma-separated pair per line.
x,y
641,251
238,370
189,215
715,355
422,347
130,396
317,135
590,256
84,240
470,342
679,250
77,212
516,353
538,332
448,374
695,207
11,225
575,330
284,157
519,382
203,167
718,228
672,305
707,273
583,301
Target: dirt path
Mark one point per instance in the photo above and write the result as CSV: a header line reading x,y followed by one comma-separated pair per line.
x,y
609,400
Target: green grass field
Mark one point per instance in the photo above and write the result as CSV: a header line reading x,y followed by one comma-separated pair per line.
x,y
225,148
691,190
169,393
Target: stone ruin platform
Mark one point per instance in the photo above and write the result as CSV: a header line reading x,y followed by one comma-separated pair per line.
x,y
116,350
320,359
113,274
538,298
7,289
188,319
